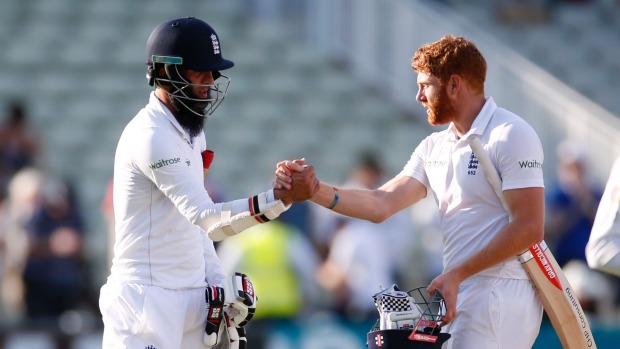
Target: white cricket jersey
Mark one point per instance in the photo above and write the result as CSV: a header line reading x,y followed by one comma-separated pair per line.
x,y
160,205
603,249
470,212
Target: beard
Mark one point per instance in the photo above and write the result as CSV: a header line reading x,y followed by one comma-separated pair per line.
x,y
185,113
441,111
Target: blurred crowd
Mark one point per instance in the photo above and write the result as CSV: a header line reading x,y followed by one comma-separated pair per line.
x,y
309,261
44,277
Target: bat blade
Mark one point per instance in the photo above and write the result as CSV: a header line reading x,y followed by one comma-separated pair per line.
x,y
557,297
553,289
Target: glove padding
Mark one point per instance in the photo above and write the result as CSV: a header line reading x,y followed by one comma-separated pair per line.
x,y
229,336
231,306
214,296
236,335
242,309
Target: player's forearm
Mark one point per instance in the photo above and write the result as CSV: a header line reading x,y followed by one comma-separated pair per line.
x,y
512,241
261,208
358,203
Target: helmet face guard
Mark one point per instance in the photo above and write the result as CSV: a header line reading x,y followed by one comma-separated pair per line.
x,y
181,90
425,331
189,43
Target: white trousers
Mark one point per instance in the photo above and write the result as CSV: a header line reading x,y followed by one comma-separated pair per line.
x,y
494,313
139,316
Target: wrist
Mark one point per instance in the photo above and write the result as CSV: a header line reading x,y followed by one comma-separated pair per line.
x,y
335,200
279,194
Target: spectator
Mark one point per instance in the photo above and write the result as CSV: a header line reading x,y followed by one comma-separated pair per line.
x,y
55,270
571,205
365,256
18,208
18,145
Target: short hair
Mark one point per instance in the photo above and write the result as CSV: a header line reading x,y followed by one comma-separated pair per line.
x,y
452,55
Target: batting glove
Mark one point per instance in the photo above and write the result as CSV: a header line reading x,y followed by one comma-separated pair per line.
x,y
213,330
242,309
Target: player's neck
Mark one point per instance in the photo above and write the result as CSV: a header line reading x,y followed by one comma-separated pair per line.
x,y
467,113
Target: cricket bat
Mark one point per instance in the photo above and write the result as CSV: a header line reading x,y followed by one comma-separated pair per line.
x,y
553,289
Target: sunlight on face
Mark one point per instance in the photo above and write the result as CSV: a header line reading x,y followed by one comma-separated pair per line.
x,y
434,97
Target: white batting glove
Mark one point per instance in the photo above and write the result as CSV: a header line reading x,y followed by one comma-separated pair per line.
x,y
242,309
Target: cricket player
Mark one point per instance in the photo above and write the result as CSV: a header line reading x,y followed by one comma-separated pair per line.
x,y
490,300
165,273
603,248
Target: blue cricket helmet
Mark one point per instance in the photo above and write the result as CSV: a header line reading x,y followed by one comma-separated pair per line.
x,y
187,41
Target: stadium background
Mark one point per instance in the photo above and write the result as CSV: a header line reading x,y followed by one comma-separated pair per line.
x,y
320,79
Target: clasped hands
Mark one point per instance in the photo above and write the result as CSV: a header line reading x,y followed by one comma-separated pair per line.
x,y
295,181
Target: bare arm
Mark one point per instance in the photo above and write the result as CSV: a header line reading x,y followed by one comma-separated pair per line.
x,y
525,229
375,205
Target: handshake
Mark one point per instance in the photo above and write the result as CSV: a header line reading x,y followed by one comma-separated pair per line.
x,y
295,181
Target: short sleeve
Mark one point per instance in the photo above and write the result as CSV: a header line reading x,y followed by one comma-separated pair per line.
x,y
415,166
519,155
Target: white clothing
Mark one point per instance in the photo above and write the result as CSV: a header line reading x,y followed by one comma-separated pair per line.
x,y
163,259
139,316
507,317
470,212
500,301
161,207
157,171
603,248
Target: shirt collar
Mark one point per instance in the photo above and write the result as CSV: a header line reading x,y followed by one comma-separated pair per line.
x,y
161,107
480,122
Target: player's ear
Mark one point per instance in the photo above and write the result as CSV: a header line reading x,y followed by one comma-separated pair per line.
x,y
454,84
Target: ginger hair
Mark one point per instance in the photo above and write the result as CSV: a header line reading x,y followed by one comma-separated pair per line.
x,y
452,55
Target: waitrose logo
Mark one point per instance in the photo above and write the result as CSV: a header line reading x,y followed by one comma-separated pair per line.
x,y
162,163
530,164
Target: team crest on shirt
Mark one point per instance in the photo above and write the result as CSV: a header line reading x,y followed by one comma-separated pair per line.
x,y
472,165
